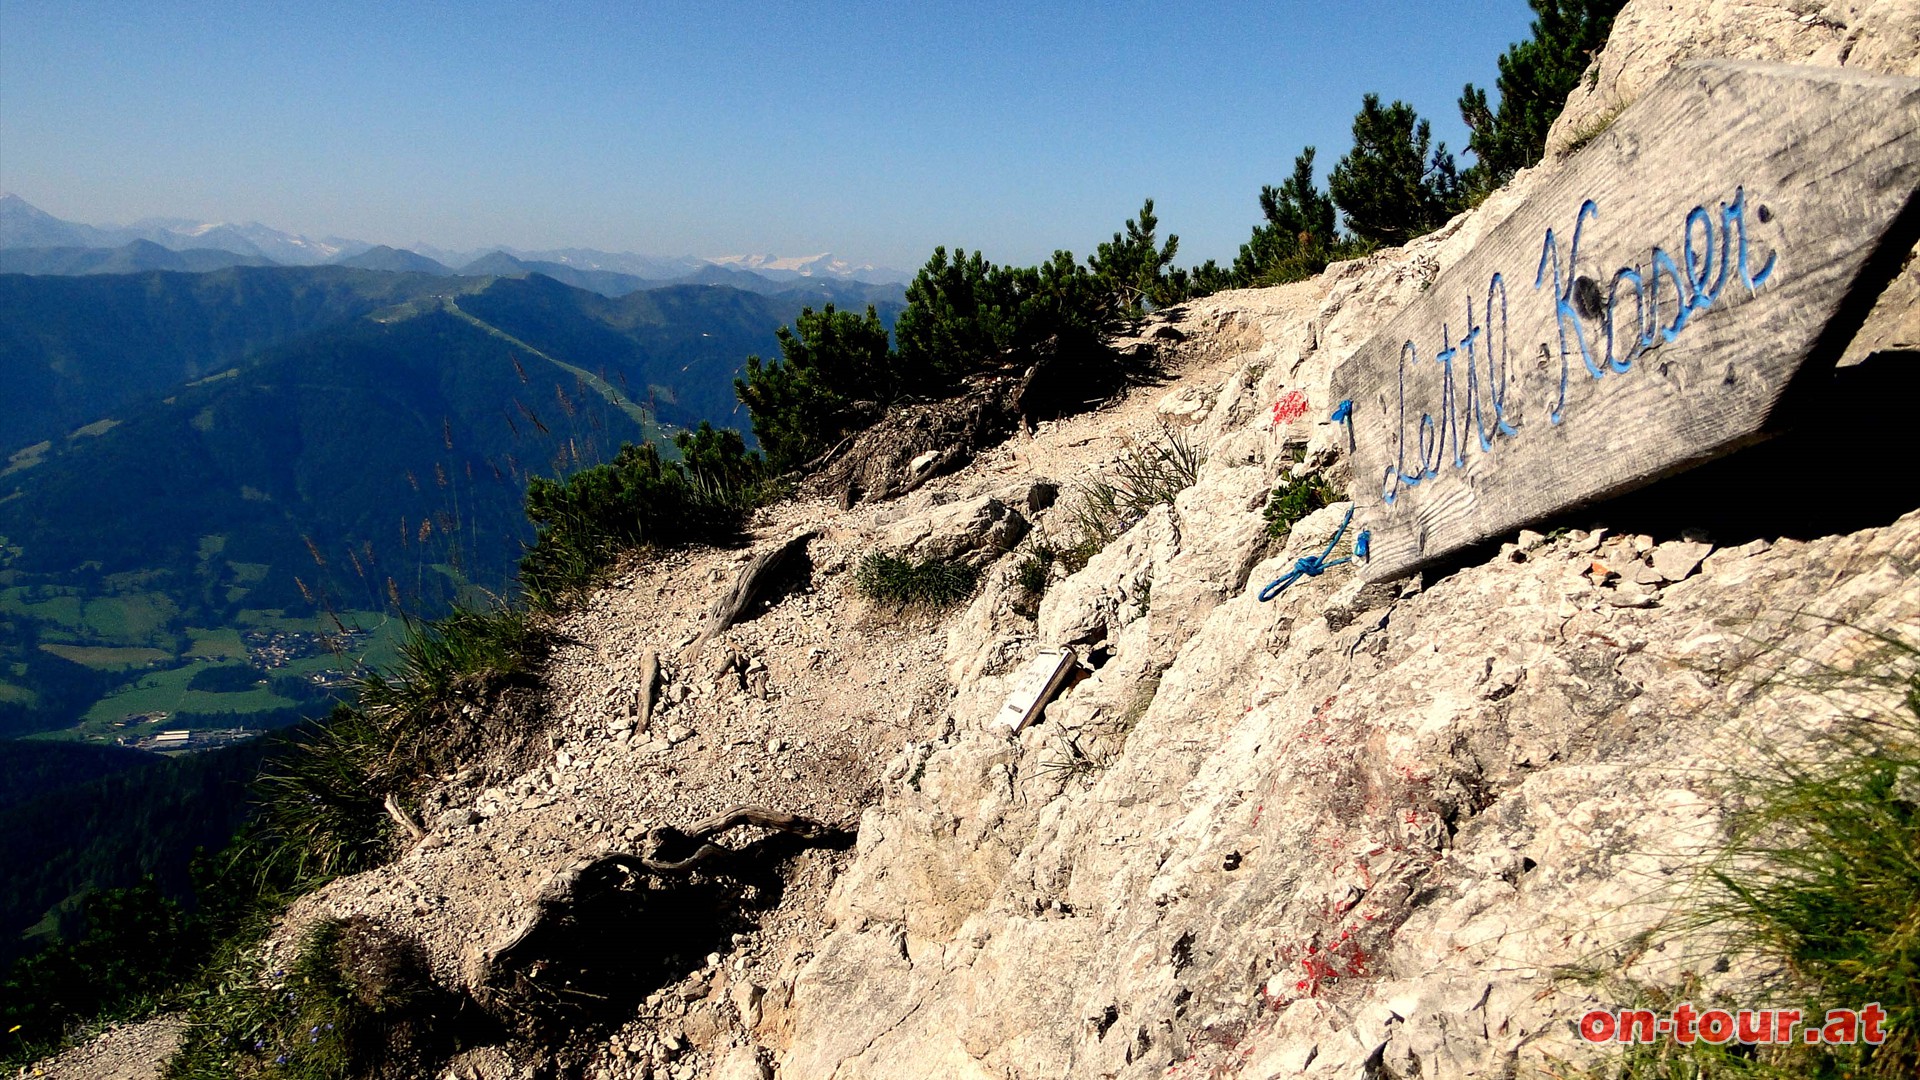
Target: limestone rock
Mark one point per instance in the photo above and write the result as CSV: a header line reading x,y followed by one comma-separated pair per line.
x,y
1651,36
1359,742
1676,559
742,1063
1092,605
982,525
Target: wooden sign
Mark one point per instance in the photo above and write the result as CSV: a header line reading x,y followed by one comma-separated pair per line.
x,y
1656,304
1034,687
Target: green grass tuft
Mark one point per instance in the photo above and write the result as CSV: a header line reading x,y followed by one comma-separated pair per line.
x,y
1030,577
1076,760
1149,474
355,1003
452,660
1823,877
320,809
1821,882
930,583
1593,129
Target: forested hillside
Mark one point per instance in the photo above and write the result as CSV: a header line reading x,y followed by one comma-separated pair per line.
x,y
75,350
233,459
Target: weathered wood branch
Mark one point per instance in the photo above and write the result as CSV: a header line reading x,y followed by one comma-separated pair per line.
x,y
403,819
701,834
754,583
649,675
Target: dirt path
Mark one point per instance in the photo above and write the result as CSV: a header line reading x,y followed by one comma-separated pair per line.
x,y
127,1052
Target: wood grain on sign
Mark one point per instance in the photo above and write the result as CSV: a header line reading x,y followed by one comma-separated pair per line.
x,y
1034,687
1661,301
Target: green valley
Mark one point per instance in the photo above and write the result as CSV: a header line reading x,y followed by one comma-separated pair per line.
x,y
220,491
223,488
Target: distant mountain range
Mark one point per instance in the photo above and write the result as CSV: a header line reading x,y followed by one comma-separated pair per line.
x,y
23,226
129,258
192,456
231,456
200,444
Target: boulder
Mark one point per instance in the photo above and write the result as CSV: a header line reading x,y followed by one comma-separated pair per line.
x,y
981,526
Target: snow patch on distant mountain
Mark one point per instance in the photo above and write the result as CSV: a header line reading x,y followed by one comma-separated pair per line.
x,y
24,226
821,265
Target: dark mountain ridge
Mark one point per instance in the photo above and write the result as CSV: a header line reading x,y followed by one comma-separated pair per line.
x,y
604,282
395,260
234,452
75,350
133,257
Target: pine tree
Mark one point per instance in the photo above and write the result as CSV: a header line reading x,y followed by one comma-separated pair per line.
x,y
829,360
1535,78
960,317
1298,236
719,459
1061,301
1297,206
1389,187
1207,278
1133,266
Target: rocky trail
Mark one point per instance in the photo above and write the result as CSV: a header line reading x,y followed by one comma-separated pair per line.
x,y
810,705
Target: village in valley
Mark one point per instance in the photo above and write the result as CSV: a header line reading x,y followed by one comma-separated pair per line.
x,y
325,661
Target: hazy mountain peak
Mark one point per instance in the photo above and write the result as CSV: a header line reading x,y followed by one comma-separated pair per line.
x,y
394,260
821,265
23,225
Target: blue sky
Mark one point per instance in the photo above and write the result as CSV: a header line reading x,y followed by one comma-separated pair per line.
x,y
872,130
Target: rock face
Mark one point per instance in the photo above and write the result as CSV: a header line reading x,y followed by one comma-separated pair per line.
x,y
1651,36
1403,829
1358,831
1320,847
